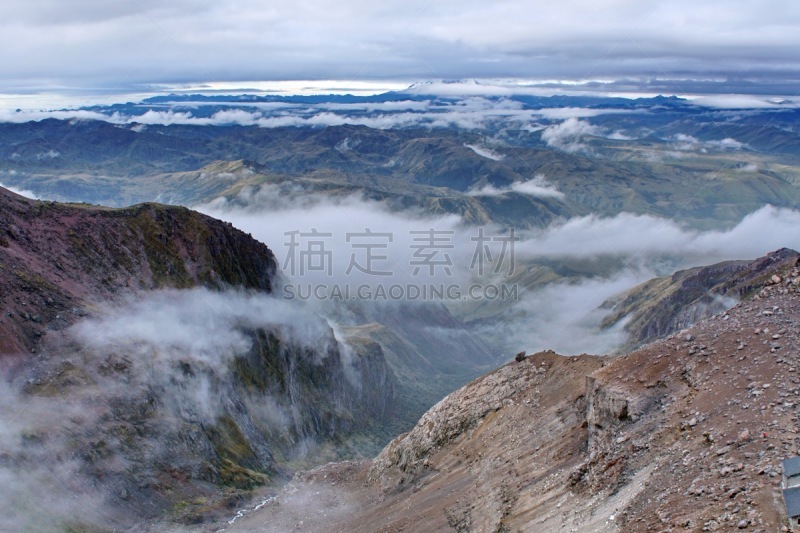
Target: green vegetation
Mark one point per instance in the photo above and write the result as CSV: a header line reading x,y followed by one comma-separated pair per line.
x,y
155,226
234,455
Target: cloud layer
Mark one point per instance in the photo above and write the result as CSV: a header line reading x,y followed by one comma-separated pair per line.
x,y
642,236
468,112
563,316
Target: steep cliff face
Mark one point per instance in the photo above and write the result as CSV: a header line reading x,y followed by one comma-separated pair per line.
x,y
160,432
161,378
427,350
685,433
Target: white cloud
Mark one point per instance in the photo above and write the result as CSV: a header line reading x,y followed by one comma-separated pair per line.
x,y
566,317
22,192
469,115
748,167
538,186
564,113
644,236
198,325
50,154
684,142
204,329
271,212
14,116
742,101
235,116
166,118
44,487
726,144
619,136
48,442
488,153
390,106
566,135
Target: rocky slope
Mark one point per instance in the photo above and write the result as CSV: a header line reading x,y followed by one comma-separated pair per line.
x,y
686,433
56,258
662,306
147,370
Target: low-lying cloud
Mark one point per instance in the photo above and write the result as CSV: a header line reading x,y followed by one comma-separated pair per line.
x,y
567,135
643,236
197,325
342,227
467,112
488,153
566,317
269,215
642,246
538,186
44,488
684,142
147,375
22,192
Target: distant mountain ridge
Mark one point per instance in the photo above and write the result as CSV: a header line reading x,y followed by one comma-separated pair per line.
x,y
417,92
432,170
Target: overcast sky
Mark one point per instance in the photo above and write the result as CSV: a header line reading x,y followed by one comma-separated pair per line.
x,y
118,45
